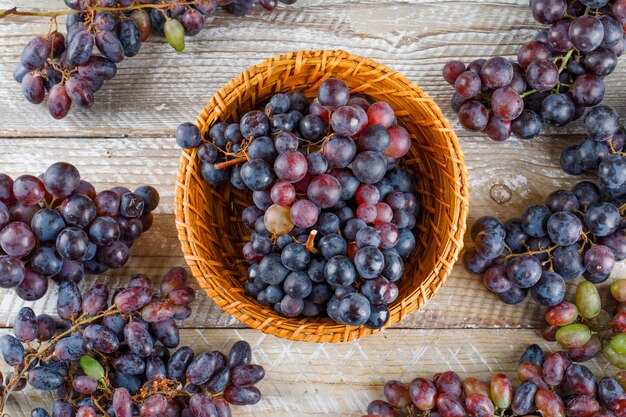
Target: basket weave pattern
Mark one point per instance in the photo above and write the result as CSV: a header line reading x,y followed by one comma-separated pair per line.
x,y
208,217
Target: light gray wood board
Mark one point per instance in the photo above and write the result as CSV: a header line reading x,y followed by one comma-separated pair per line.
x,y
158,89
308,379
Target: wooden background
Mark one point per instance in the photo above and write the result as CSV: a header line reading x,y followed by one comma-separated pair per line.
x,y
127,139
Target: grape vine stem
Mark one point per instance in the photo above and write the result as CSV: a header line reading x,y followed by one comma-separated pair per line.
x,y
30,358
15,12
231,162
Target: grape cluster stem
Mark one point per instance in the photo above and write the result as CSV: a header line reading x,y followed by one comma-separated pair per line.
x,y
41,353
15,12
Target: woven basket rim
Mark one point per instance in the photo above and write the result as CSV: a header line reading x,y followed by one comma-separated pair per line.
x,y
303,329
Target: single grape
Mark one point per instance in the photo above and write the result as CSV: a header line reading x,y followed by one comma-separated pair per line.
x,y
542,75
333,93
473,116
497,72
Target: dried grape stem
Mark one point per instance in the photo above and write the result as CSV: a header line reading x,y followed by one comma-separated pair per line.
x,y
8,390
226,164
15,12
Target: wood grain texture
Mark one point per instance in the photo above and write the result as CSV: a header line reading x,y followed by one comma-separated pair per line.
x,y
312,380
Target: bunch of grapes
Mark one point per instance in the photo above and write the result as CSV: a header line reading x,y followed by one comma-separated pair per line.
x,y
56,226
574,233
601,153
556,76
586,328
68,68
113,357
333,213
551,386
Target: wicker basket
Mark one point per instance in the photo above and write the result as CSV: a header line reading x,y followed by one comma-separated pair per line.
x,y
208,218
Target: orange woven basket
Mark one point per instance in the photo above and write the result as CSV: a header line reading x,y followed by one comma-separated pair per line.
x,y
208,218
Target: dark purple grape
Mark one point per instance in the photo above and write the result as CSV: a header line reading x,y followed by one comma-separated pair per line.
x,y
33,88
473,116
339,150
601,62
527,125
129,363
568,262
602,123
558,109
44,379
558,36
523,400
564,228
548,11
11,272
12,350
602,219
71,348
242,395
246,375
202,368
72,243
138,338
103,340
33,287
69,301
542,75
497,72
586,33
549,290
46,327
588,90
581,380
179,361
506,103
532,51
468,84
25,326
166,332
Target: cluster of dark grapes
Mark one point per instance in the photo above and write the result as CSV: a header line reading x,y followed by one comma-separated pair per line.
x,y
576,232
551,386
67,67
586,328
113,357
333,213
601,153
56,226
556,76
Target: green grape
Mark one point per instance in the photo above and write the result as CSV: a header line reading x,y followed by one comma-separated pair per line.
x,y
277,220
618,343
618,290
588,300
92,368
615,358
573,335
175,34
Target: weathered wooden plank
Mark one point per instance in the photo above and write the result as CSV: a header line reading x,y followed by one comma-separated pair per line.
x,y
305,379
159,88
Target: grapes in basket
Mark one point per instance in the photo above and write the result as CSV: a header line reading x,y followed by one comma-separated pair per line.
x,y
551,385
333,211
118,355
57,226
557,75
70,68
